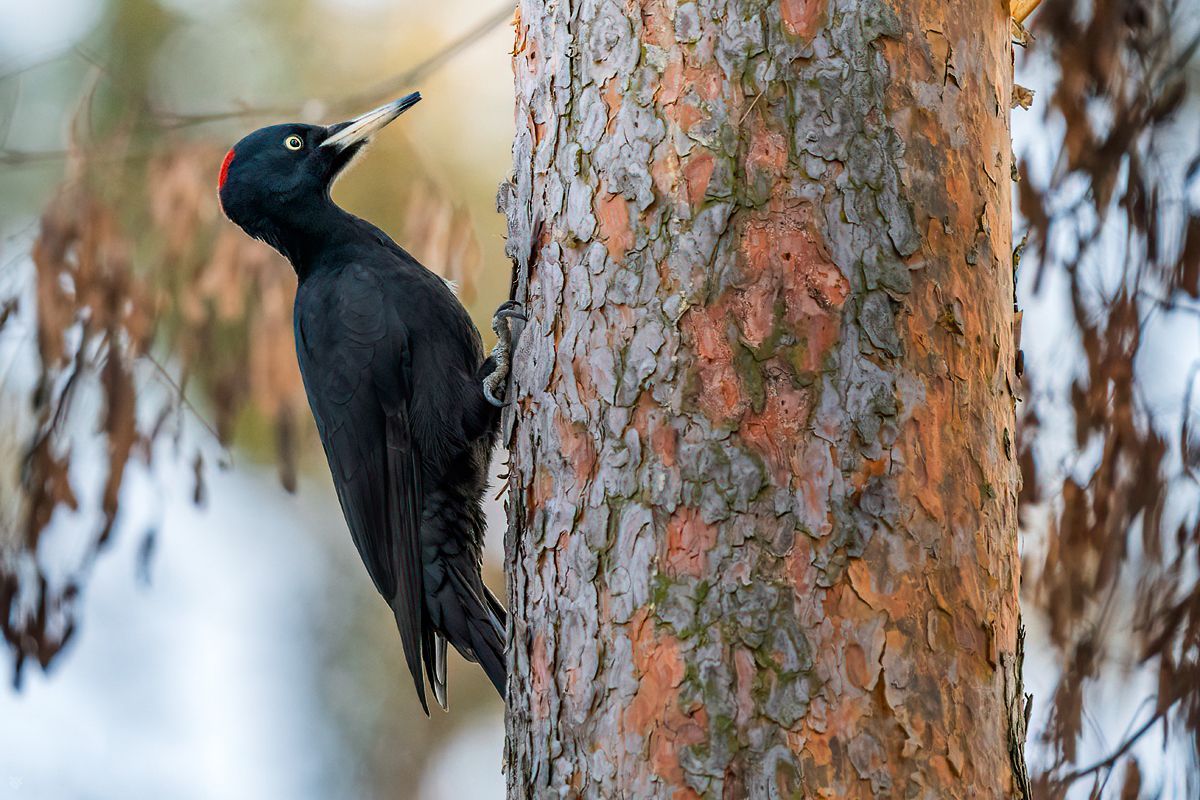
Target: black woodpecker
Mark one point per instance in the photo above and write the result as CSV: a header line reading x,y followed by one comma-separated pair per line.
x,y
404,400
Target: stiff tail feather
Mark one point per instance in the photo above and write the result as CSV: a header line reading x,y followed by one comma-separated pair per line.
x,y
485,623
488,641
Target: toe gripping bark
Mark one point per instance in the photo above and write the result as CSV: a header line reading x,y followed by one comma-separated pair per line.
x,y
495,385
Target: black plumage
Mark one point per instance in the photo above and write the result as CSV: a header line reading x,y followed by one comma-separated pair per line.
x,y
403,397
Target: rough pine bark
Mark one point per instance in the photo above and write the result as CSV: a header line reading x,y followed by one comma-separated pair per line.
x,y
763,529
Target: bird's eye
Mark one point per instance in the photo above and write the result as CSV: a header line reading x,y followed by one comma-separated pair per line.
x,y
293,142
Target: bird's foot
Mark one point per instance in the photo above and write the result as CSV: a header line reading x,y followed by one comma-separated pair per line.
x,y
496,383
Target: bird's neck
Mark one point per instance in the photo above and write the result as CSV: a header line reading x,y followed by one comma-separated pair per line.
x,y
305,239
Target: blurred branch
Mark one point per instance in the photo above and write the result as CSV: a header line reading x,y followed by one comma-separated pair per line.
x,y
1111,759
1169,304
387,89
384,90
11,158
381,91
48,56
183,400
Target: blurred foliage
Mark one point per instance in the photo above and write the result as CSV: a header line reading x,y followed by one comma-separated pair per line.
x,y
133,259
149,315
1115,220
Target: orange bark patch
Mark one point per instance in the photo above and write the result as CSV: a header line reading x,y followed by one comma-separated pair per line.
x,y
826,286
697,172
664,171
560,552
671,83
612,212
802,17
684,90
801,572
663,440
775,432
707,82
612,100
968,633
854,651
846,715
539,675
689,539
768,150
923,440
860,580
856,666
655,713
665,742
788,281
657,660
720,395
543,488
869,468
757,304
818,750
577,448
685,115
650,419
657,28
819,336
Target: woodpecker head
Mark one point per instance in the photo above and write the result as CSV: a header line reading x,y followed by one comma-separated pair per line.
x,y
279,177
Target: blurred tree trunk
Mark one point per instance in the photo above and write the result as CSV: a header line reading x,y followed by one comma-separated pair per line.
x,y
763,537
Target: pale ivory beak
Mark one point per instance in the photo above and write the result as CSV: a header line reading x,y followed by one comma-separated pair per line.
x,y
363,127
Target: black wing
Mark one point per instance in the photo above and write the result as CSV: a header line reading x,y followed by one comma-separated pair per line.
x,y
354,358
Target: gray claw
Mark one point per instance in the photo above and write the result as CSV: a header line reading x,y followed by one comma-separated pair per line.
x,y
495,384
513,312
491,398
509,310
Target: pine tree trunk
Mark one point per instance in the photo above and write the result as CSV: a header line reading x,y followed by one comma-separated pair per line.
x,y
763,507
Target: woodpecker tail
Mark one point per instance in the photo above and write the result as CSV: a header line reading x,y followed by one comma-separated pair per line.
x,y
487,640
472,620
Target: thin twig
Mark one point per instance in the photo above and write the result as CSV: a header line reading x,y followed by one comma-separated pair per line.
x,y
383,90
1168,304
183,400
751,108
11,158
1105,763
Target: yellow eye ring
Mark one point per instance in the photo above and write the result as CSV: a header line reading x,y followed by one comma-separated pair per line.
x,y
293,142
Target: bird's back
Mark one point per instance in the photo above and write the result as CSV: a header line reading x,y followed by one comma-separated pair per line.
x,y
388,356
420,316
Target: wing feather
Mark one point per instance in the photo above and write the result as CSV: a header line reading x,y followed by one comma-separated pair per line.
x,y
355,365
404,513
